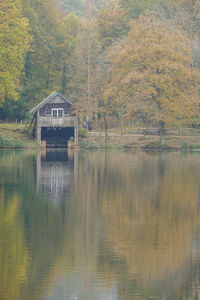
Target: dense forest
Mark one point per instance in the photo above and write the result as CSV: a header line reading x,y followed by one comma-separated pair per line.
x,y
122,62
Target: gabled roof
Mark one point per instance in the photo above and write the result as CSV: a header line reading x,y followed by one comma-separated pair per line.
x,y
42,103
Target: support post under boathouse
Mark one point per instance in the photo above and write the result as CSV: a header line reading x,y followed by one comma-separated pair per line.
x,y
55,121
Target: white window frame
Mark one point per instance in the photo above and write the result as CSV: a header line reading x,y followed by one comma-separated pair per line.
x,y
57,112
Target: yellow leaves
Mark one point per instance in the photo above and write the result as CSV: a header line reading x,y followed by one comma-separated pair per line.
x,y
150,232
154,63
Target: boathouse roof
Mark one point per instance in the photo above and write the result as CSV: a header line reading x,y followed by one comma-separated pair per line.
x,y
46,100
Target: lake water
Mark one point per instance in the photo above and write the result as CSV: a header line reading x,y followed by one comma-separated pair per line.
x,y
99,225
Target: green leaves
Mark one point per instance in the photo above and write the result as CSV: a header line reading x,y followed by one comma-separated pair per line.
x,y
46,65
14,43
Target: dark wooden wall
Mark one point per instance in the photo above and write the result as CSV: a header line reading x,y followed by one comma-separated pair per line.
x,y
66,107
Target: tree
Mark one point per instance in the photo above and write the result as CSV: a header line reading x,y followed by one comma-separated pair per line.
x,y
46,65
151,74
135,8
112,24
192,7
45,59
82,85
14,43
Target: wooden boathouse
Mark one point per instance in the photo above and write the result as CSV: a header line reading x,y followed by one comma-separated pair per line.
x,y
55,121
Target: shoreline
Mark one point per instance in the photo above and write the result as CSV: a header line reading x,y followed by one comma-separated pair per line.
x,y
17,137
95,141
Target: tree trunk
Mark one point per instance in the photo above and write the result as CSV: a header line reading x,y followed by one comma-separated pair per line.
x,y
162,132
105,128
90,16
162,138
122,127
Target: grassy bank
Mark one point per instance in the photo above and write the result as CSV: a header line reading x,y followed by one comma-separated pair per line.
x,y
95,141
15,136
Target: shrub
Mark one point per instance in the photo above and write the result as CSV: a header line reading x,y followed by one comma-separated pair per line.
x,y
184,145
126,146
194,146
10,143
82,133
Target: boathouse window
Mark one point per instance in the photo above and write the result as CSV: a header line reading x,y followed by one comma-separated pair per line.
x,y
47,112
66,111
60,113
57,113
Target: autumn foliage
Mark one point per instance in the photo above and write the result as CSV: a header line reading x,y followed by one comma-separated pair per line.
x,y
151,73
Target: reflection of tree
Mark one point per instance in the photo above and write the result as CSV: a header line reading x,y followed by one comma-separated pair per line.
x,y
40,219
127,222
151,226
13,250
85,227
149,206
82,223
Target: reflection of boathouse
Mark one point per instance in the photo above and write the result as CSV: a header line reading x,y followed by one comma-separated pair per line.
x,y
56,121
55,170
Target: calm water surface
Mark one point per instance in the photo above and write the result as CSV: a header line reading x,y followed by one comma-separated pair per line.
x,y
99,226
